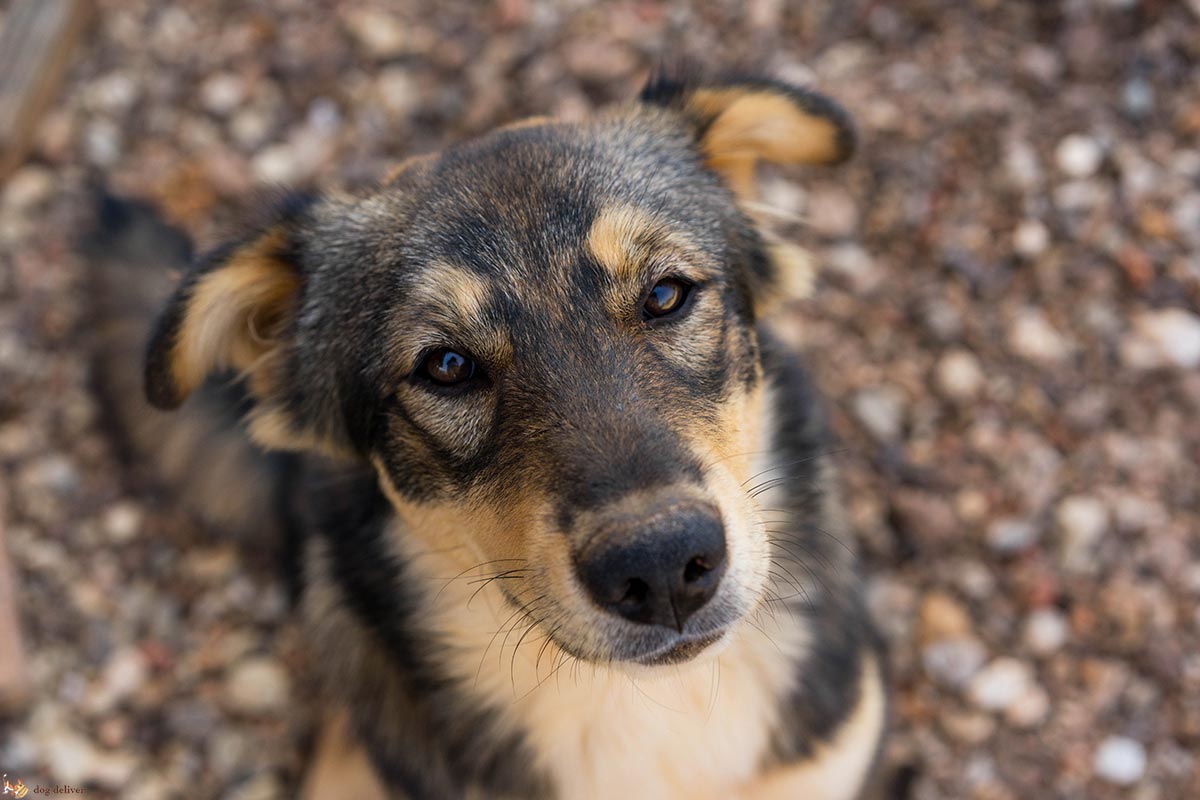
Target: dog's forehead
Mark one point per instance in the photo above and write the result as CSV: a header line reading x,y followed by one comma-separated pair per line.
x,y
532,194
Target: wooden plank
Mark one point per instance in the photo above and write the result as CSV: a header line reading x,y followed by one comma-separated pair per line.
x,y
35,48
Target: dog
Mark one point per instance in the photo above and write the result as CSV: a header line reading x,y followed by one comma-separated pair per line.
x,y
560,508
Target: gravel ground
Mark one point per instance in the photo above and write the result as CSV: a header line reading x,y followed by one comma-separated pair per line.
x,y
1005,326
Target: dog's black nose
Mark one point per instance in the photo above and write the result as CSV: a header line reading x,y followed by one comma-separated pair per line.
x,y
658,572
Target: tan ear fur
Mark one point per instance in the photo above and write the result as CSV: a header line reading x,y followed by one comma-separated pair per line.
x,y
743,122
751,124
233,314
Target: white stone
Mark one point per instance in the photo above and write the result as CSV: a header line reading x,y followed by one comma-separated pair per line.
x,y
1011,535
1120,760
953,662
958,375
114,93
832,212
1021,163
70,758
1030,709
257,686
102,142
1166,338
1045,631
125,672
276,164
122,522
28,187
250,127
1078,156
1186,216
854,264
1031,336
263,786
113,770
1000,684
881,411
1083,521
1030,238
380,34
222,93
398,91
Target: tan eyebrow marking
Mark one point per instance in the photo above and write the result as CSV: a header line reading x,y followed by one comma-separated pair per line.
x,y
619,239
457,292
626,241
447,306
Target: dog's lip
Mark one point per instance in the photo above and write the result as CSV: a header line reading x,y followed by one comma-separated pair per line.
x,y
681,650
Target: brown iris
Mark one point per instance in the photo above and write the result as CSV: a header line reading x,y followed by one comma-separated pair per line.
x,y
447,367
666,297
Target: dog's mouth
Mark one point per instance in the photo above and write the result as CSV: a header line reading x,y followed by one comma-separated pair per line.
x,y
681,651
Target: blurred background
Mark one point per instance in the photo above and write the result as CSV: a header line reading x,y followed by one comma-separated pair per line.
x,y
1005,327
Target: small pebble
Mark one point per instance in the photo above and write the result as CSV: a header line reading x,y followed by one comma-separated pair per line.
x,y
123,675
881,411
1078,156
1010,535
952,662
1030,709
398,91
1030,238
257,686
958,375
122,522
1031,336
1083,520
1166,338
1045,631
998,685
275,164
1185,216
70,758
855,265
832,212
378,33
1120,760
972,727
28,187
222,93
943,617
1137,97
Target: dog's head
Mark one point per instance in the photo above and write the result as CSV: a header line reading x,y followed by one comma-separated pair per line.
x,y
543,340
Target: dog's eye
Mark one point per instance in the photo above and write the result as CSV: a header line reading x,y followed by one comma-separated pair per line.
x,y
666,297
447,367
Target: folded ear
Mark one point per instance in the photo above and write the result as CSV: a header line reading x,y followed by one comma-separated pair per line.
x,y
240,310
739,122
228,313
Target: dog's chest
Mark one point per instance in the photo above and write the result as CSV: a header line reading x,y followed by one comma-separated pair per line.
x,y
698,732
687,737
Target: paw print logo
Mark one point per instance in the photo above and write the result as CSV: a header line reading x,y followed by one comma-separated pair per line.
x,y
17,790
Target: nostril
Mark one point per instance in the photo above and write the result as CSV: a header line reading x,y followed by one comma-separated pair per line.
x,y
696,569
636,592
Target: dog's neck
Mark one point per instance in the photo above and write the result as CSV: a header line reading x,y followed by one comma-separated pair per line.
x,y
577,715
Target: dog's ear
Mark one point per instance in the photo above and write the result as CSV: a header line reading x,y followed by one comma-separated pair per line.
x,y
236,311
230,312
736,124
739,122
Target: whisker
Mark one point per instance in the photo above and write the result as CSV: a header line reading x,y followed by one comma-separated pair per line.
x,y
446,585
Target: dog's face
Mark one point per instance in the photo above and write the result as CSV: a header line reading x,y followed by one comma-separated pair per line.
x,y
544,341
